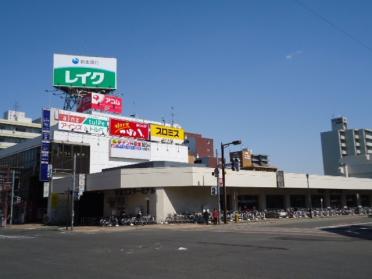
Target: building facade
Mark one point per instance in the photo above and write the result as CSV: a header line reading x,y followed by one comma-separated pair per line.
x,y
15,127
164,189
347,152
95,141
201,149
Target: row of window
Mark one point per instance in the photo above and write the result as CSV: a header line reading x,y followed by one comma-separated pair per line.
x,y
11,139
19,128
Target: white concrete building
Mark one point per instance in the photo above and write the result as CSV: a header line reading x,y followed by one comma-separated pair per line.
x,y
15,127
165,190
347,152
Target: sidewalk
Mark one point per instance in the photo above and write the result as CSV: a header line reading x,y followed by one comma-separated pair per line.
x,y
305,224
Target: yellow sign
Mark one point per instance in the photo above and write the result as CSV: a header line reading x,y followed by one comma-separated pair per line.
x,y
160,132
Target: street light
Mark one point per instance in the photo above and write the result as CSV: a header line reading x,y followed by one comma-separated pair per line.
x,y
309,195
223,145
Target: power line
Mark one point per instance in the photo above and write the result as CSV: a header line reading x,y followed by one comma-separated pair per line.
x,y
333,25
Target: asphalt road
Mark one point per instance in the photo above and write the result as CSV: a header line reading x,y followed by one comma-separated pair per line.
x,y
331,248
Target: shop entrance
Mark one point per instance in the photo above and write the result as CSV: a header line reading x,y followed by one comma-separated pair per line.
x,y
89,208
247,202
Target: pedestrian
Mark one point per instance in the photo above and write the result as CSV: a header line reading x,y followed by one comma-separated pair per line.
x,y
206,216
215,216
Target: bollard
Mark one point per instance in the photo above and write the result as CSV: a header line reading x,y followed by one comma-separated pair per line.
x,y
237,217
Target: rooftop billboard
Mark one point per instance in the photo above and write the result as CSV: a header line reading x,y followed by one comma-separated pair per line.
x,y
100,102
168,134
84,72
130,129
82,123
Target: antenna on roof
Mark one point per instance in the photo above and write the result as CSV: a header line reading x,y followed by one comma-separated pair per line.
x,y
16,107
172,115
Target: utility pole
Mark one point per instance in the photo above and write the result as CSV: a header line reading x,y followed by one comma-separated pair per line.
x,y
224,183
218,190
72,193
12,198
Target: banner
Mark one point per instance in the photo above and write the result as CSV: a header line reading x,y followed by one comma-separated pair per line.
x,y
84,72
162,133
82,123
130,148
101,102
45,146
130,129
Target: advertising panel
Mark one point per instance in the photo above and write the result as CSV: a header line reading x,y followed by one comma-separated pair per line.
x,y
101,102
130,129
84,72
82,123
130,148
45,146
167,134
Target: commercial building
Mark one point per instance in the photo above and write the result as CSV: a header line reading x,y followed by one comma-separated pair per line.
x,y
151,175
97,141
250,161
347,152
201,149
162,189
15,127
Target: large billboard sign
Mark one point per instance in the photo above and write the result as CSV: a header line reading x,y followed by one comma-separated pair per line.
x,y
84,72
130,148
163,133
100,102
130,129
82,123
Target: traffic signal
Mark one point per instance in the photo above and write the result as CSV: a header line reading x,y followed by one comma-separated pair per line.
x,y
214,191
216,172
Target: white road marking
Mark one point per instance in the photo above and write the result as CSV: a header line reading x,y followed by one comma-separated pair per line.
x,y
15,237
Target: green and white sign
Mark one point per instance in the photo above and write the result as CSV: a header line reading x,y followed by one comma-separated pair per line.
x,y
84,72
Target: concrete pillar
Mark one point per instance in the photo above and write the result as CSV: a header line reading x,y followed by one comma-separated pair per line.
x,y
160,198
234,200
327,199
359,202
343,199
262,201
287,201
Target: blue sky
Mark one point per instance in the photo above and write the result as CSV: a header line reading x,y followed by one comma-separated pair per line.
x,y
270,73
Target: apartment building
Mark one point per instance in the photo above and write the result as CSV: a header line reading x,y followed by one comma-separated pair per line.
x,y
347,152
15,127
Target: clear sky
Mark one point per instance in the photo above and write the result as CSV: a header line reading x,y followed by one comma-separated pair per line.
x,y
271,73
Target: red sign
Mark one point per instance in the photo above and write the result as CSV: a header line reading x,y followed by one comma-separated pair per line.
x,y
100,102
125,128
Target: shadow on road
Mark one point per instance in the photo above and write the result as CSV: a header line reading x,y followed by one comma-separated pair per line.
x,y
356,231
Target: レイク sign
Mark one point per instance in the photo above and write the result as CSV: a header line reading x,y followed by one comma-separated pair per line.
x,y
130,148
166,133
84,72
82,123
125,128
101,102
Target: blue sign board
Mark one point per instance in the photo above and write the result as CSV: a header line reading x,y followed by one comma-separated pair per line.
x,y
45,146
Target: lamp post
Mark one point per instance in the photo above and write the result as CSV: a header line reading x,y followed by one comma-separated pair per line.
x,y
223,145
309,196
